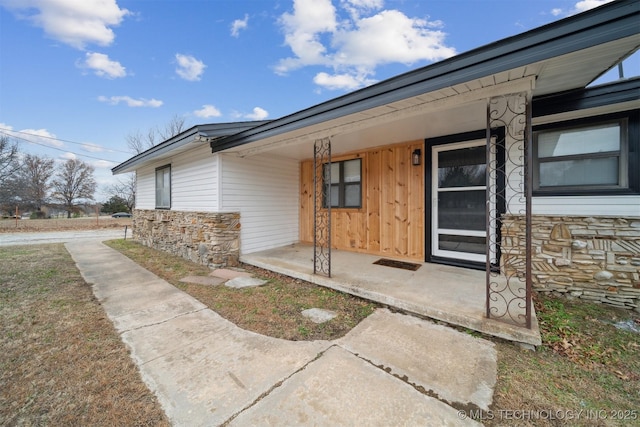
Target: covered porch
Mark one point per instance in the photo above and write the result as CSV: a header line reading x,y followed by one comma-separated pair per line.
x,y
449,294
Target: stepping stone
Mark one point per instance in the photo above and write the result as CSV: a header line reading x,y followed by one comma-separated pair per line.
x,y
203,280
318,315
245,282
225,273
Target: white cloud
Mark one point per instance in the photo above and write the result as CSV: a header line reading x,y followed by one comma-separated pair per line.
x,y
584,5
303,30
103,66
257,114
356,7
396,38
207,111
131,102
239,24
68,156
73,22
341,81
356,39
579,7
35,136
103,164
92,148
189,68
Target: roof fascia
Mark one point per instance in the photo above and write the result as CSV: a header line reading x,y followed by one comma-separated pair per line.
x,y
606,23
582,99
156,150
212,130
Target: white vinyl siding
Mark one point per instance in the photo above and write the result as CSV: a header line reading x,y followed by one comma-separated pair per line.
x,y
587,205
146,188
265,190
195,181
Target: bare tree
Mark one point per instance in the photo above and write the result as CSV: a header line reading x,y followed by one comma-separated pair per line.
x,y
73,184
139,142
174,127
9,161
125,189
35,180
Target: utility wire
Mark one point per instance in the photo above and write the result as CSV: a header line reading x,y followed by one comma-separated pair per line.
x,y
55,148
5,130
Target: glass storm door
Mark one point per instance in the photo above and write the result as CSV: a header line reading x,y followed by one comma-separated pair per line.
x,y
459,201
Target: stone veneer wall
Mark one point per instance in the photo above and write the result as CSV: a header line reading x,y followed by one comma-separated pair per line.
x,y
208,238
592,258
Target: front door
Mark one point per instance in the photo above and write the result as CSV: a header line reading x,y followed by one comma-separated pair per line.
x,y
459,197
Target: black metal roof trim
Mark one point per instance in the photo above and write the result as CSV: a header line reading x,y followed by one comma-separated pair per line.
x,y
210,130
609,22
581,99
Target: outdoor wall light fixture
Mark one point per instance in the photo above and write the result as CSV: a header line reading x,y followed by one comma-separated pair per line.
x,y
415,157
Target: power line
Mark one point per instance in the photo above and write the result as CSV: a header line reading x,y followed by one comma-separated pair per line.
x,y
55,148
5,130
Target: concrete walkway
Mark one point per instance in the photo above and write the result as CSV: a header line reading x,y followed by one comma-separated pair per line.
x,y
392,369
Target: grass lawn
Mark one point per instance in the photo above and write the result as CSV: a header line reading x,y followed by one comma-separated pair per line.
x,y
62,362
585,363
274,309
586,369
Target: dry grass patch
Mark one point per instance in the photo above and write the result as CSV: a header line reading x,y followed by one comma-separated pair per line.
x,y
273,309
62,362
586,369
585,364
62,224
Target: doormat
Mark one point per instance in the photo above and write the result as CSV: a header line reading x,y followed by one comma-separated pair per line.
x,y
398,264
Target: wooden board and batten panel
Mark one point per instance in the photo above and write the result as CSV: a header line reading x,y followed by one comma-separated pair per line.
x,y
264,189
390,221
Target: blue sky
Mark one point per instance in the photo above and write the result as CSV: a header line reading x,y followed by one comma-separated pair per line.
x,y
78,76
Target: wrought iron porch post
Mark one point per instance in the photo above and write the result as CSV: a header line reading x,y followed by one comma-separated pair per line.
x,y
508,211
322,215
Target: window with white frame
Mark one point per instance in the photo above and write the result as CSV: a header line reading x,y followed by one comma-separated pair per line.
x,y
590,156
163,187
345,187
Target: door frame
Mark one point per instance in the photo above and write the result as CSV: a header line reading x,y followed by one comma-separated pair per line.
x,y
428,188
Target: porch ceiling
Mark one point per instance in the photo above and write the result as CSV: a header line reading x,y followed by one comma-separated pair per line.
x,y
457,108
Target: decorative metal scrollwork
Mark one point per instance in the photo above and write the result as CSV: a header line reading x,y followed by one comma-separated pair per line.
x,y
322,207
509,181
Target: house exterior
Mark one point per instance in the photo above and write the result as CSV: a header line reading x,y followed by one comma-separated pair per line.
x,y
501,158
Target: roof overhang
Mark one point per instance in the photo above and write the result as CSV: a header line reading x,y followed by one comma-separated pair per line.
x,y
565,55
186,140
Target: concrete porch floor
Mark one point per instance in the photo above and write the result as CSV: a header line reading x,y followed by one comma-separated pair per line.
x,y
450,294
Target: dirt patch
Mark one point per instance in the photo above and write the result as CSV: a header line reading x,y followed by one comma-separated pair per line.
x,y
62,224
62,362
274,309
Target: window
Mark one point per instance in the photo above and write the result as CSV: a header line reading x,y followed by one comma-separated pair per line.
x,y
589,157
345,188
163,187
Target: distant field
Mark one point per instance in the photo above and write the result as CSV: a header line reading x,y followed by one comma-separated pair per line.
x,y
88,223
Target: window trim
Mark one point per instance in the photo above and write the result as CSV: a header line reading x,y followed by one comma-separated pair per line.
x,y
341,185
155,184
627,155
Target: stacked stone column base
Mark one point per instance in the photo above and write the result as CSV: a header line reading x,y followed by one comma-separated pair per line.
x,y
591,258
207,238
